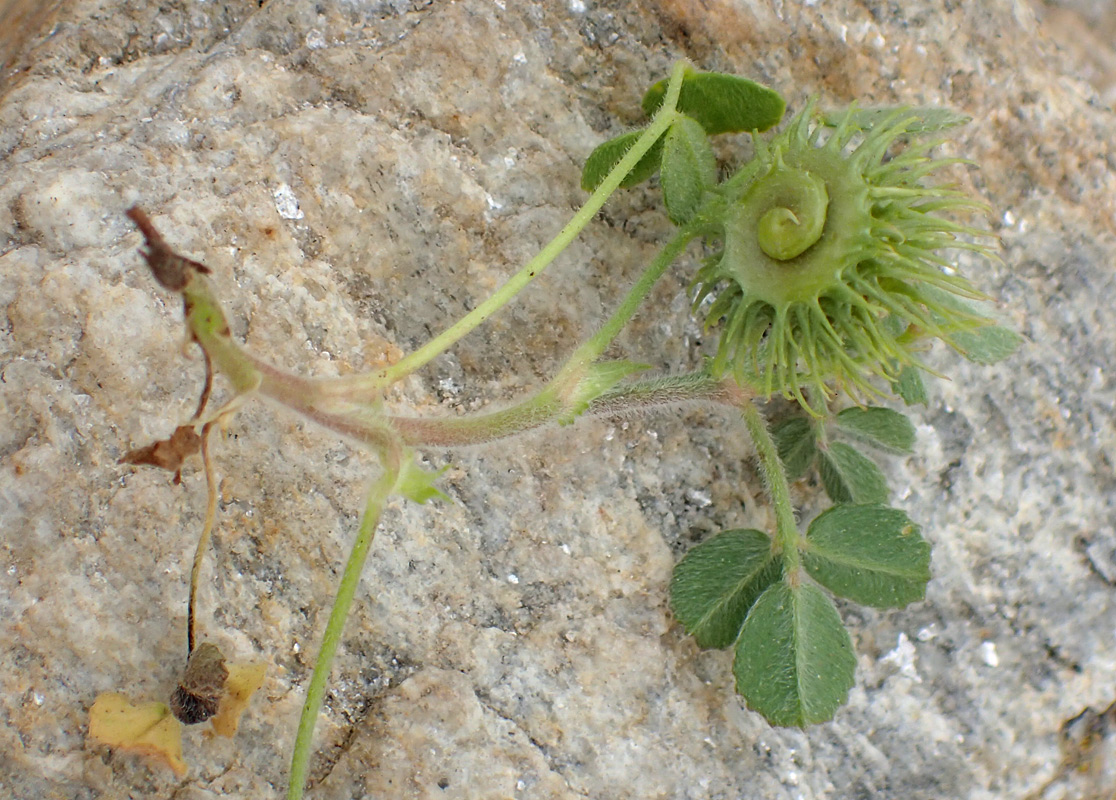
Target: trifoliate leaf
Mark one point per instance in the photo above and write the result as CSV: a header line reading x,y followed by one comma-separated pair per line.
x,y
600,377
794,659
718,581
796,440
722,103
689,168
910,387
607,154
243,681
851,477
880,427
871,554
147,729
987,345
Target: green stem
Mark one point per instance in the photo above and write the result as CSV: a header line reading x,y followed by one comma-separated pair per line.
x,y
599,342
350,579
658,126
786,529
543,408
550,403
203,540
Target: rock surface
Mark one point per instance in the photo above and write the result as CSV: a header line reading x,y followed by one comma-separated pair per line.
x,y
360,174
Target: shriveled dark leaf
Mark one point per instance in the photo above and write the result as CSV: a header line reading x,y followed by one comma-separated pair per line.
x,y
168,454
198,695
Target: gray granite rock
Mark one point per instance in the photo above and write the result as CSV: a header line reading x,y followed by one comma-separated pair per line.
x,y
360,174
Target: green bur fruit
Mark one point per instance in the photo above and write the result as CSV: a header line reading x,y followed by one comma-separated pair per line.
x,y
830,270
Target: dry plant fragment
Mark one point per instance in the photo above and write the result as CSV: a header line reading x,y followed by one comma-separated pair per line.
x,y
146,729
199,693
170,269
244,681
168,454
209,690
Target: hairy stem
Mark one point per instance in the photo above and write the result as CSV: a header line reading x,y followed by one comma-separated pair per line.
x,y
786,529
346,589
545,408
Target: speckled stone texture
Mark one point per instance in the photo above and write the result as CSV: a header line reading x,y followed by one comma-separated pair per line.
x,y
360,174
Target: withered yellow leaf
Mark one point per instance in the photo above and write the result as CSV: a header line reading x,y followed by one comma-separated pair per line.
x,y
242,683
147,729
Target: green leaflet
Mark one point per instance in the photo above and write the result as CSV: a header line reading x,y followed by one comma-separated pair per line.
x,y
982,342
794,659
910,387
606,155
796,441
849,476
718,581
722,103
880,427
870,554
987,345
688,169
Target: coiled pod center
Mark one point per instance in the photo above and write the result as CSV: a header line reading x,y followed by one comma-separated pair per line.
x,y
796,228
830,262
796,218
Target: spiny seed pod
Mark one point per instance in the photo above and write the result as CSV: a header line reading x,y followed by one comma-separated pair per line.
x,y
831,270
199,693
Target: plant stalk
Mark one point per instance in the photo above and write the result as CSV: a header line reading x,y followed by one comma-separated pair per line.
x,y
346,589
592,349
203,540
775,478
544,408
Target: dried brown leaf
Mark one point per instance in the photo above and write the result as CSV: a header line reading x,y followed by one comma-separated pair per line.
x,y
167,453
